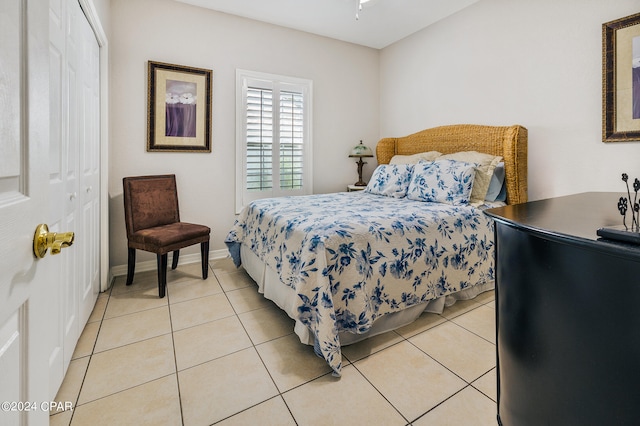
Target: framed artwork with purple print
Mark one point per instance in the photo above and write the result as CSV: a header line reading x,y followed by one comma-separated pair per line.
x,y
621,79
179,108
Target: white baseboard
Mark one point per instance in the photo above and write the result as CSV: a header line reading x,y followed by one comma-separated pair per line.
x,y
151,265
109,282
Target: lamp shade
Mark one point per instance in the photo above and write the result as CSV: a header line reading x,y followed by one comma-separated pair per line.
x,y
361,150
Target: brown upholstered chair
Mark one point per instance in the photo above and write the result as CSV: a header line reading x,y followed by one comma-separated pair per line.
x,y
153,224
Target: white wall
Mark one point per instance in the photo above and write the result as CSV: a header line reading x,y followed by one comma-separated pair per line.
x,y
346,94
501,62
497,62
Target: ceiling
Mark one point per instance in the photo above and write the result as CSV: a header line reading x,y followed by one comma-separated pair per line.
x,y
380,23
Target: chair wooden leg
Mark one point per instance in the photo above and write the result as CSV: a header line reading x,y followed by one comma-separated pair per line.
x,y
162,274
131,265
174,260
204,254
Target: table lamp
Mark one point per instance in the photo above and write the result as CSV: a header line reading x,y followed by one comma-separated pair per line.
x,y
359,151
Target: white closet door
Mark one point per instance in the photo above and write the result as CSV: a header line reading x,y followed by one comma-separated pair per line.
x,y
74,170
89,188
62,188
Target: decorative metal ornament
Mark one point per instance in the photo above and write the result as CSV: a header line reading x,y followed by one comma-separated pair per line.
x,y
627,233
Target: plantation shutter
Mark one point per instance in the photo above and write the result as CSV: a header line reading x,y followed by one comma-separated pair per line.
x,y
259,139
274,136
291,140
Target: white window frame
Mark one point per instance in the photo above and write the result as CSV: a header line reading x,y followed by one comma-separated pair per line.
x,y
277,83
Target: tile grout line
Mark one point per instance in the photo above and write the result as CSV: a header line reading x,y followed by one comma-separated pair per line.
x,y
469,383
93,353
373,385
86,371
441,402
261,360
175,357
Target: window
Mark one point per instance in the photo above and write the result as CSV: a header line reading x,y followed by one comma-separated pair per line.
x,y
273,136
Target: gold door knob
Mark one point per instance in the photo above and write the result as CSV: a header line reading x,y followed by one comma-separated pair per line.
x,y
43,240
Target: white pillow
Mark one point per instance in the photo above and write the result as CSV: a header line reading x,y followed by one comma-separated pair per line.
x,y
390,180
415,158
486,164
446,181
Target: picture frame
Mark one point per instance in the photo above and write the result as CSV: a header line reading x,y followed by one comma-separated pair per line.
x,y
621,80
179,108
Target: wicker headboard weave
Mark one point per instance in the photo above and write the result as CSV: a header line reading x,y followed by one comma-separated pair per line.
x,y
508,141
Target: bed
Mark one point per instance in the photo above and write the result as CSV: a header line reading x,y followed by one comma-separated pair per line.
x,y
351,265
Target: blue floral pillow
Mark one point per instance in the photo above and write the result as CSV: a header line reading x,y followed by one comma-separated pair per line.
x,y
391,180
443,181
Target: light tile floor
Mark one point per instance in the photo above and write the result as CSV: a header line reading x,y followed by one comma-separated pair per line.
x,y
216,352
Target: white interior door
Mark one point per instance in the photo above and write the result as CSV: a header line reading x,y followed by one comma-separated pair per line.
x,y
24,203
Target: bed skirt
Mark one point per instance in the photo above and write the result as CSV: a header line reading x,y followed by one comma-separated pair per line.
x,y
285,297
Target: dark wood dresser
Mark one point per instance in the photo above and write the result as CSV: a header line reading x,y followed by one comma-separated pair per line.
x,y
567,314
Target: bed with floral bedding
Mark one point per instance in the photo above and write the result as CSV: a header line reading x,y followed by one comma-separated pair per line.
x,y
350,265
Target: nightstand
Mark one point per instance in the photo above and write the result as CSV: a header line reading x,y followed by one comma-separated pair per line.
x,y
353,188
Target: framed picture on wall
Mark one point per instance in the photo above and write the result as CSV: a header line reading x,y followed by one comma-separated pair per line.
x,y
179,108
621,80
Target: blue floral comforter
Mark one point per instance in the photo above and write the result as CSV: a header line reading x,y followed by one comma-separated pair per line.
x,y
354,257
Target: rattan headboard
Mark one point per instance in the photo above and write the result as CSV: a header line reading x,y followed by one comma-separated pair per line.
x,y
508,141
